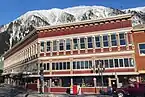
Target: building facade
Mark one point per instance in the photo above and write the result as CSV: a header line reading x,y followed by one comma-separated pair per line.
x,y
74,53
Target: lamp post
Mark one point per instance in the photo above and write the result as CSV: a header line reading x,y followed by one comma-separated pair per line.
x,y
99,68
41,79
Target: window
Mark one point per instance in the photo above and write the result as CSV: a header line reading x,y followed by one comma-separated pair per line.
x,y
57,66
82,64
42,46
54,45
113,40
64,65
121,62
47,66
68,44
78,65
48,46
44,65
74,65
111,63
131,60
126,62
90,63
90,42
82,43
53,66
86,65
97,41
68,65
142,49
122,39
61,45
60,66
116,62
106,63
75,43
105,41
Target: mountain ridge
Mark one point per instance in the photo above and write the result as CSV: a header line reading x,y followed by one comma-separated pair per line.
x,y
20,27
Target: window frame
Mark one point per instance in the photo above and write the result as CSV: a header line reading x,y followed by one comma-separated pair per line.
x,y
89,42
122,39
83,43
55,46
112,40
105,40
41,47
66,44
61,43
75,44
140,49
98,41
48,46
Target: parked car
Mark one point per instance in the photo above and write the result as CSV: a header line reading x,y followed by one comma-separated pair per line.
x,y
131,90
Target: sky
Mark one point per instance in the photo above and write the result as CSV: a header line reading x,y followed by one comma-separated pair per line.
x,y
12,9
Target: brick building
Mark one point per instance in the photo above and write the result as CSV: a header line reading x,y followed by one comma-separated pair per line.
x,y
69,53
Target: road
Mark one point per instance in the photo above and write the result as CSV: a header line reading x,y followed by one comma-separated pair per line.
x,y
11,91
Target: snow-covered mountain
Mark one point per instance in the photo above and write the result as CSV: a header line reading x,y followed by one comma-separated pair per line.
x,y
16,30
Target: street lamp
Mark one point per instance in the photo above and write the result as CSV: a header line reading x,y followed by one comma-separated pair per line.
x,y
99,68
41,79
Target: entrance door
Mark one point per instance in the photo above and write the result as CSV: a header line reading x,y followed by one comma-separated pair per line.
x,y
114,83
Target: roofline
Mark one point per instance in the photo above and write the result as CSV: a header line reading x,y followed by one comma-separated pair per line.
x,y
86,21
27,36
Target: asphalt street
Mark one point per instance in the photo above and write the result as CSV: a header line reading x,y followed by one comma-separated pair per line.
x,y
13,91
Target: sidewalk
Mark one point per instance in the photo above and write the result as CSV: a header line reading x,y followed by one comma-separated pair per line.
x,y
65,95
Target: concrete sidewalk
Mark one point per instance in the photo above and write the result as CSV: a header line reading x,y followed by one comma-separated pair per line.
x,y
65,95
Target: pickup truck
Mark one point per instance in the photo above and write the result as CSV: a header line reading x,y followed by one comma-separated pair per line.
x,y
131,90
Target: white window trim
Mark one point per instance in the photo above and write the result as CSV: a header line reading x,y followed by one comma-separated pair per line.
x,y
139,49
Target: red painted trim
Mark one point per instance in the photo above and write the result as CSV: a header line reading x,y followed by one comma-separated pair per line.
x,y
60,72
100,27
